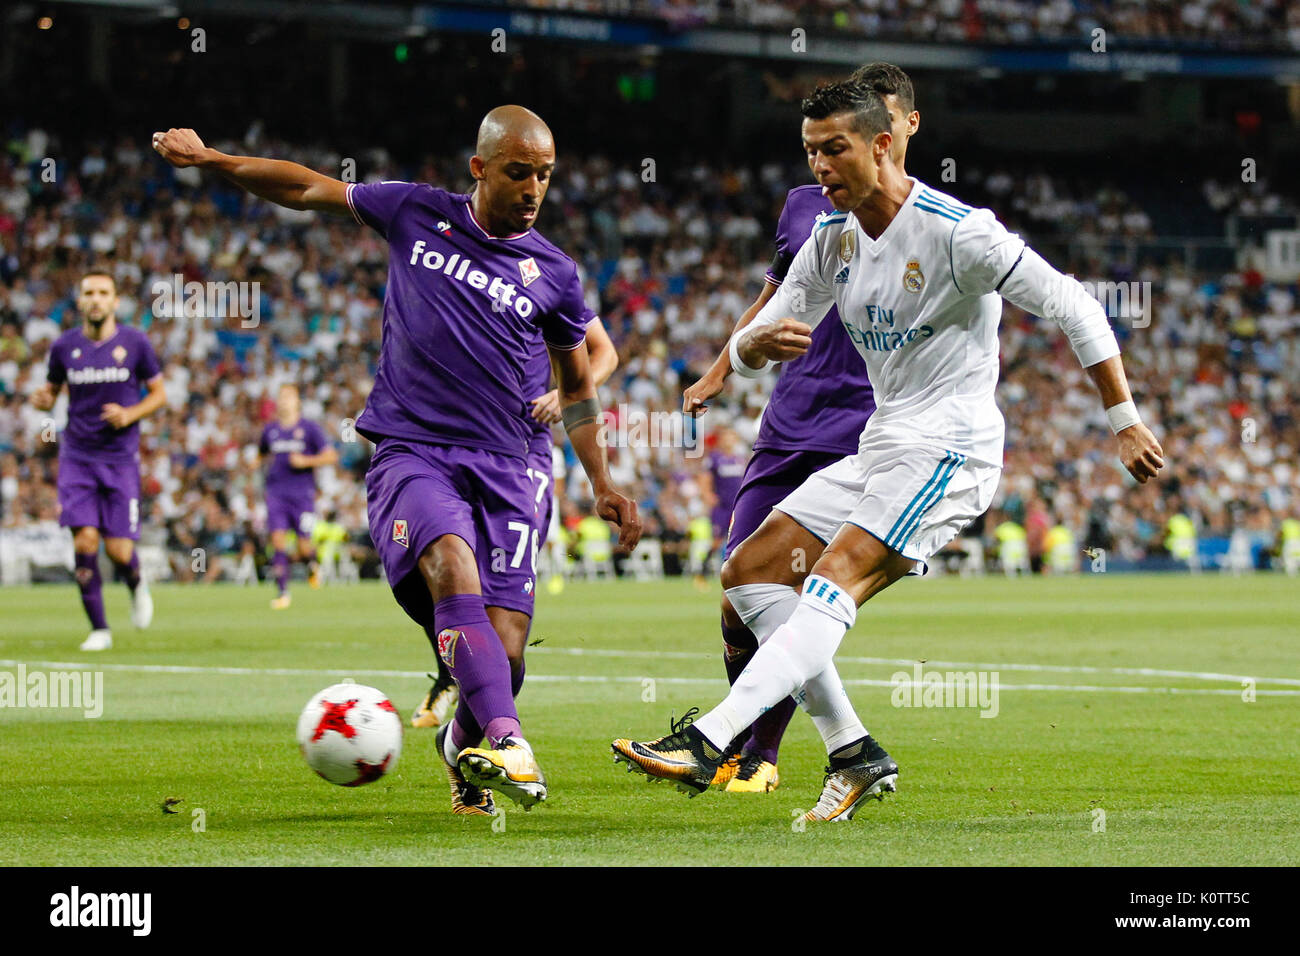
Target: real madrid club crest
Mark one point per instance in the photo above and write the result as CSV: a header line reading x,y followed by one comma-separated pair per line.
x,y
119,355
913,278
848,246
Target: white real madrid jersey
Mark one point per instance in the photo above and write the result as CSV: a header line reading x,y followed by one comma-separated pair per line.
x,y
921,303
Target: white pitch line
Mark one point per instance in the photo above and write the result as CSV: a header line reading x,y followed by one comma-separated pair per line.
x,y
965,665
587,678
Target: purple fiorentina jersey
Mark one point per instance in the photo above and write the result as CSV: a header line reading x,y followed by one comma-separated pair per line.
x,y
537,382
302,436
817,404
727,471
462,314
97,374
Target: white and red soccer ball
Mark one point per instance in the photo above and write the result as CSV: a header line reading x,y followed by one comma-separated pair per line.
x,y
350,734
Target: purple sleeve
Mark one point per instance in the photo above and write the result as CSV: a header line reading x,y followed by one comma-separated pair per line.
x,y
784,254
565,326
375,204
146,364
317,440
56,372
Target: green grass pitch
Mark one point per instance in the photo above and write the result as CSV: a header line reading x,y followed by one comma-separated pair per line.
x,y
1117,693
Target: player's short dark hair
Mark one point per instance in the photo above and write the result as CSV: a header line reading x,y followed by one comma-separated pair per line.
x,y
97,272
888,80
870,116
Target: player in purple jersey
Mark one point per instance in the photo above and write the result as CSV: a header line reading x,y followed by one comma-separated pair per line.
x,y
105,367
722,483
471,286
813,419
544,411
297,448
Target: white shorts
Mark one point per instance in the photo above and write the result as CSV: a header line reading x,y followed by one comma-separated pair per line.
x,y
914,499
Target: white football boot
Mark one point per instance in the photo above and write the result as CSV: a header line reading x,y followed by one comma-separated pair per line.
x,y
100,639
141,605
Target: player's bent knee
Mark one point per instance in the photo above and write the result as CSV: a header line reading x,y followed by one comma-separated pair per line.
x,y
448,565
729,616
85,540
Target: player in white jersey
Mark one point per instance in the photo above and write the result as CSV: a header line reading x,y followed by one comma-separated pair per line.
x,y
916,277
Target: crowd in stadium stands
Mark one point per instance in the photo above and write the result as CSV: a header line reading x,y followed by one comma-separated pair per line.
x,y
670,266
1221,23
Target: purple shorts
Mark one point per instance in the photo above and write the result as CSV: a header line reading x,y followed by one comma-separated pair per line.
x,y
539,467
416,493
290,512
771,475
100,494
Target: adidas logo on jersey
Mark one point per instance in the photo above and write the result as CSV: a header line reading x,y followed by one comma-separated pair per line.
x,y
96,376
842,277
454,267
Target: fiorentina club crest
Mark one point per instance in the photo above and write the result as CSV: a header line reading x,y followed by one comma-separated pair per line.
x,y
400,532
119,355
297,433
447,639
529,272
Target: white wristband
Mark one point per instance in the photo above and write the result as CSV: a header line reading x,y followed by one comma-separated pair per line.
x,y
1122,416
737,365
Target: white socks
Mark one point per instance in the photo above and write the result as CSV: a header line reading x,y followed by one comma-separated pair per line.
x,y
763,607
827,703
797,652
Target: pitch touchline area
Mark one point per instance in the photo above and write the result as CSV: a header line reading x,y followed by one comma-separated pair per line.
x,y
606,679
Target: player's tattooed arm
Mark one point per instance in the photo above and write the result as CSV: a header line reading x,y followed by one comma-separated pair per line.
x,y
286,184
1138,448
586,433
120,416
695,398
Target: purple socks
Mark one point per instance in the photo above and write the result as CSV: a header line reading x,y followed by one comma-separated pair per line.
x,y
92,589
280,564
472,651
130,572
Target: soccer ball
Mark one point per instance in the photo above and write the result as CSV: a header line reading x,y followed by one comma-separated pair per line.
x,y
350,734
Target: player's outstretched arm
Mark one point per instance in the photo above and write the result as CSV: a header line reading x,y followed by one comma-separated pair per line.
x,y
710,384
1036,287
602,356
581,414
1138,448
286,184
